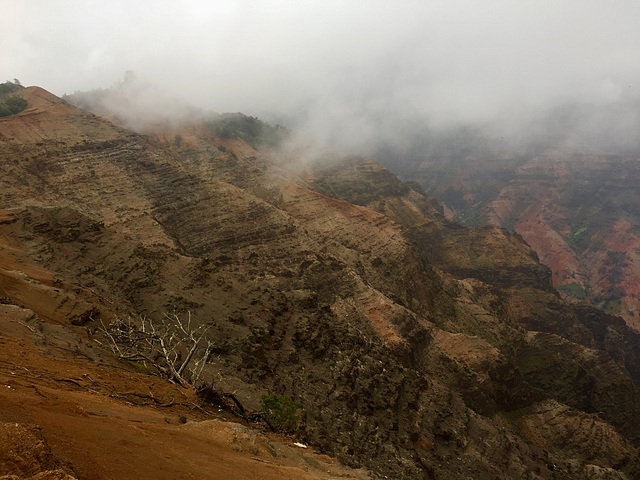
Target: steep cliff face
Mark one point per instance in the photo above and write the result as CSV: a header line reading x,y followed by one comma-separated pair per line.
x,y
416,347
577,206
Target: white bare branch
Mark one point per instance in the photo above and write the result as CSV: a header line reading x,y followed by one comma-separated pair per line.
x,y
162,344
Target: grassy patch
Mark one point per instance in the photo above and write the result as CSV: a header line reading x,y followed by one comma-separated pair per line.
x,y
574,290
141,367
580,238
613,306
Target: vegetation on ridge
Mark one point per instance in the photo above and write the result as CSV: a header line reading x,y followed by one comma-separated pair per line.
x,y
11,105
138,105
250,129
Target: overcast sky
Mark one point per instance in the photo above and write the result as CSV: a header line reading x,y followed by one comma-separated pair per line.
x,y
336,64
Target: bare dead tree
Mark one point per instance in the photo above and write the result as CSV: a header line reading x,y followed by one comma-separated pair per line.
x,y
171,345
178,351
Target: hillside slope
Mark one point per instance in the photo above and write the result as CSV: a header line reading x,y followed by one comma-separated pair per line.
x,y
416,348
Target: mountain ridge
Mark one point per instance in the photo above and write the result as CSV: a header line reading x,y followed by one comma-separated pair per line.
x,y
417,348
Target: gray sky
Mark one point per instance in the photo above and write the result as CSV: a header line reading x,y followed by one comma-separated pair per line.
x,y
341,66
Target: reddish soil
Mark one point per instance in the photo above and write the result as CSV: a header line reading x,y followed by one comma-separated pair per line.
x,y
100,420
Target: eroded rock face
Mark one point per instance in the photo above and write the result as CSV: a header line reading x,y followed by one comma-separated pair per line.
x,y
575,205
413,344
571,435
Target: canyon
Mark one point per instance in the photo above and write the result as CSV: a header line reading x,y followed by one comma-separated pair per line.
x,y
575,203
416,347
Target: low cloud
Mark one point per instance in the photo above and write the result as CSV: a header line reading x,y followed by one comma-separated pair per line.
x,y
348,73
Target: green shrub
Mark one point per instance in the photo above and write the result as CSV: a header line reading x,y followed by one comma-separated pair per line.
x,y
7,88
280,410
12,105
